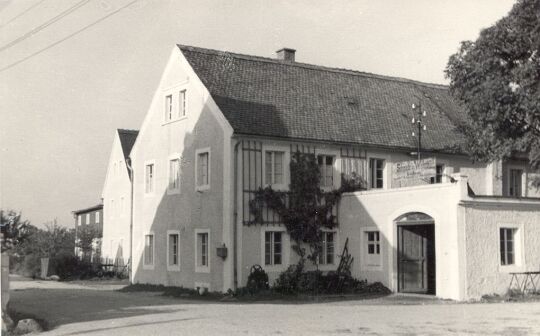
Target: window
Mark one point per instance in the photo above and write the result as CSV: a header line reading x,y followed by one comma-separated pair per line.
x,y
202,251
326,257
507,245
149,178
273,248
514,188
373,248
439,173
168,108
326,168
174,174
182,103
97,217
173,248
376,167
79,219
203,170
149,249
87,218
274,167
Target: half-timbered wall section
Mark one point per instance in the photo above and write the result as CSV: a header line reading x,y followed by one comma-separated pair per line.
x,y
350,160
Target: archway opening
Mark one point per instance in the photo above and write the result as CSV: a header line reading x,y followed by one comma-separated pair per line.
x,y
416,253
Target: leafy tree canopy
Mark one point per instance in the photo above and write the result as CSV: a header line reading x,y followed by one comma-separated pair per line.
x,y
497,78
14,229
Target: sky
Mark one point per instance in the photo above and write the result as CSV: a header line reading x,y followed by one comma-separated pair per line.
x,y
73,71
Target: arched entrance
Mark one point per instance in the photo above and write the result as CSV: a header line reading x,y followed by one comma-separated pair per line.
x,y
416,253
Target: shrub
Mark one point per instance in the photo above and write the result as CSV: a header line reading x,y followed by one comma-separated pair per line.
x,y
257,280
69,267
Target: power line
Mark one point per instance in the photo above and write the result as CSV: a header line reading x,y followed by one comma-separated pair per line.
x,y
21,14
67,37
45,25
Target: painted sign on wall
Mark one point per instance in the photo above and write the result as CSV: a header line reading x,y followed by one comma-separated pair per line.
x,y
413,172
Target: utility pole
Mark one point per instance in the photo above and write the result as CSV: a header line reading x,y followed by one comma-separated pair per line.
x,y
418,113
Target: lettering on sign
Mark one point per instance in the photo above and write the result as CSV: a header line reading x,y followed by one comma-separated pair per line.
x,y
414,172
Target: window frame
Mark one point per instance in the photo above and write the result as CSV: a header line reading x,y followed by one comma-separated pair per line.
x,y
372,173
336,166
202,268
171,158
79,220
286,164
332,265
182,108
148,266
198,152
521,175
285,248
97,217
371,261
173,267
146,164
519,247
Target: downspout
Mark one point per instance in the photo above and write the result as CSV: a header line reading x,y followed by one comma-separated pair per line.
x,y
235,223
131,177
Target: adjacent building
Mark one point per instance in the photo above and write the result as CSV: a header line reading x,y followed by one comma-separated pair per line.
x,y
222,125
89,218
116,196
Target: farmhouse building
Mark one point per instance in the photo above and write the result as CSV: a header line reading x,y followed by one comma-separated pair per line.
x,y
89,218
116,197
222,125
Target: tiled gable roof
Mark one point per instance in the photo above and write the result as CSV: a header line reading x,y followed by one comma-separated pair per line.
x,y
270,97
127,140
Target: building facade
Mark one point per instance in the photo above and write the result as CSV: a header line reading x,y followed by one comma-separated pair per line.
x,y
223,125
116,196
89,218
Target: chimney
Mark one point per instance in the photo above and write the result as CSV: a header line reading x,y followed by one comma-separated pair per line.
x,y
286,54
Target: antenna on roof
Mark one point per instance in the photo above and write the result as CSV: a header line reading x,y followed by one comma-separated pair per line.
x,y
419,113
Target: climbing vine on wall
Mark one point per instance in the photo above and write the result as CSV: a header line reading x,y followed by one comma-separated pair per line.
x,y
305,209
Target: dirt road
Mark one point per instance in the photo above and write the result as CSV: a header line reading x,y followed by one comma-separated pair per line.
x,y
79,309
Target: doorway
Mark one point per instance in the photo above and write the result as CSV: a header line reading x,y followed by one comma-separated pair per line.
x,y
416,256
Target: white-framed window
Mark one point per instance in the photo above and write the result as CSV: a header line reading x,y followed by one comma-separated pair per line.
x,y
274,165
507,245
174,174
168,107
326,168
202,250
79,220
273,247
182,103
87,218
328,248
202,169
149,175
439,174
173,250
372,253
376,173
97,217
149,251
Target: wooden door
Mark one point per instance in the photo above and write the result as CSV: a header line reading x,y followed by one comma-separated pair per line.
x,y
416,259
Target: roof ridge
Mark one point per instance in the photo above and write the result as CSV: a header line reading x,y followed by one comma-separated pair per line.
x,y
311,66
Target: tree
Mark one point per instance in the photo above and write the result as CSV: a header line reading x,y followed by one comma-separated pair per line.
x,y
497,78
14,229
86,236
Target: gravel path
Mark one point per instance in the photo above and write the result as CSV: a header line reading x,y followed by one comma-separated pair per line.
x,y
75,309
